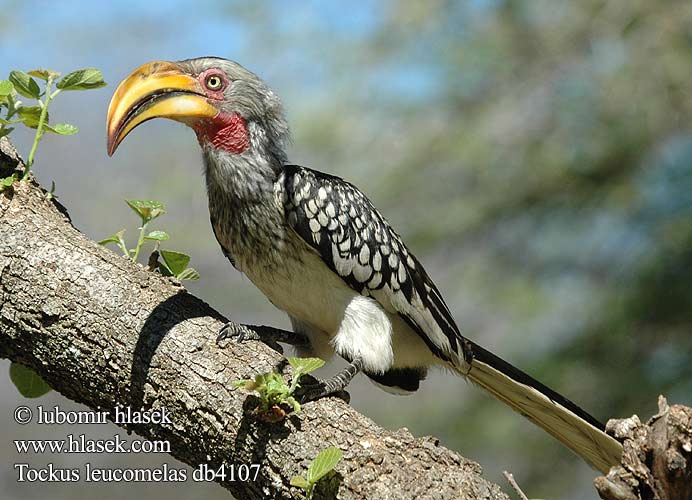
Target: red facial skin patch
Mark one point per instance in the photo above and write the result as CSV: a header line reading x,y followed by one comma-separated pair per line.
x,y
227,132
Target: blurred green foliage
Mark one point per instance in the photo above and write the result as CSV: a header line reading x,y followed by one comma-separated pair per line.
x,y
543,161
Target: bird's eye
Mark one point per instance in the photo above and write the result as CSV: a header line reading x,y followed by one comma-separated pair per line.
x,y
214,82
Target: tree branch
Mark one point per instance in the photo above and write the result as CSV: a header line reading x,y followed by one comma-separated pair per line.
x,y
657,458
105,332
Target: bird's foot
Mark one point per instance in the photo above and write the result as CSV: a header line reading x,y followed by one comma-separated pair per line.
x,y
319,390
333,386
237,332
267,334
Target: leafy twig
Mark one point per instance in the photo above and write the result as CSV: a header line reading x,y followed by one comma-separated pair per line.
x,y
275,392
174,263
37,117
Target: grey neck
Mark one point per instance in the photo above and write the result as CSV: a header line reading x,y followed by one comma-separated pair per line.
x,y
247,220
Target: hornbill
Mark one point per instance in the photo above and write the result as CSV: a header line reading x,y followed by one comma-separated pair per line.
x,y
319,250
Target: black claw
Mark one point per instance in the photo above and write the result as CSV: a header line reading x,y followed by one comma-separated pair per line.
x,y
319,390
227,331
241,333
310,392
237,332
344,395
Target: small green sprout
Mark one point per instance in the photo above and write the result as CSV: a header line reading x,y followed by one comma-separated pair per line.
x,y
274,391
25,85
174,263
322,465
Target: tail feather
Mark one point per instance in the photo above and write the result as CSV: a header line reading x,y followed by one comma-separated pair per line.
x,y
555,414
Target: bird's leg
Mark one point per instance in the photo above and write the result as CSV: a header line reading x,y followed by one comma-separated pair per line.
x,y
331,385
241,333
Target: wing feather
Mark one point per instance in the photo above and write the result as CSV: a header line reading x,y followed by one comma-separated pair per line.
x,y
357,243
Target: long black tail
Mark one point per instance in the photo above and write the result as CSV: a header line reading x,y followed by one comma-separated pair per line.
x,y
554,413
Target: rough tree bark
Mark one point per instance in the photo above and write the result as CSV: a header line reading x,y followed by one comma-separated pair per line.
x,y
657,457
105,332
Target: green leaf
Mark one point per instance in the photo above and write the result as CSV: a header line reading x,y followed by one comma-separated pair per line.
x,y
44,74
306,365
27,381
8,181
299,482
6,87
165,270
114,238
31,115
148,210
24,84
82,79
157,236
189,274
110,239
323,463
63,129
295,404
175,261
5,131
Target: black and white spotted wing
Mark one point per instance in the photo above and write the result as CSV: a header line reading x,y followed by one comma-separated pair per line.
x,y
358,244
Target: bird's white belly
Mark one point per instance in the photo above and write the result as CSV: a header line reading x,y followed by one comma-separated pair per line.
x,y
306,289
349,323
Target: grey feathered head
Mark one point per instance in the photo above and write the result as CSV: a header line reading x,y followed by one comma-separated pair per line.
x,y
228,106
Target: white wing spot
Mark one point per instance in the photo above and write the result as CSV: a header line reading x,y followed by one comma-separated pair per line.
x,y
402,273
311,207
306,189
364,256
343,266
322,218
376,280
361,273
322,194
377,261
345,245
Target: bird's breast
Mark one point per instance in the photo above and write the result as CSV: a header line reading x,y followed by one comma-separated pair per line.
x,y
299,282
